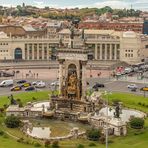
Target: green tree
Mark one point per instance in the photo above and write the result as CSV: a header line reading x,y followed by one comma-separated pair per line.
x,y
137,123
12,122
93,134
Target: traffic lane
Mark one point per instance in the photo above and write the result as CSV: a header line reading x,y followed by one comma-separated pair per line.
x,y
6,91
119,86
93,81
115,86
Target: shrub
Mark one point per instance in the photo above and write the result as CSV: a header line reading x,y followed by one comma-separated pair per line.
x,y
80,146
33,98
137,123
139,103
55,144
21,140
91,144
93,134
5,106
102,139
36,144
1,110
12,122
47,143
2,133
138,132
110,141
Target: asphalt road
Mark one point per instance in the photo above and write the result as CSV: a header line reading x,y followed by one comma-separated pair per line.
x,y
113,86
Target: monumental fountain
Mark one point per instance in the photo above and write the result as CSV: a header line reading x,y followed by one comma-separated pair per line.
x,y
72,102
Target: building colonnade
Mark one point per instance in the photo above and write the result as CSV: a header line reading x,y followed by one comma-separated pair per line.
x,y
107,51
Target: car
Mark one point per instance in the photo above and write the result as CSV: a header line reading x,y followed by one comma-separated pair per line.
x,y
35,82
30,88
98,85
6,83
144,88
132,86
40,85
26,85
21,81
16,88
55,83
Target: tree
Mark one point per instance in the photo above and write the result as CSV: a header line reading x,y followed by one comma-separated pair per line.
x,y
137,123
12,122
93,134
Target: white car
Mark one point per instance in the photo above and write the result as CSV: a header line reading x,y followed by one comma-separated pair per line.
x,y
36,82
6,83
40,84
55,83
132,86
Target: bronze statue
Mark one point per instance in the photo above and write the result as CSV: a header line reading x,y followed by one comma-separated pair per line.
x,y
72,84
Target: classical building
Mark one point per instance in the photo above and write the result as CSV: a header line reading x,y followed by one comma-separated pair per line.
x,y
106,45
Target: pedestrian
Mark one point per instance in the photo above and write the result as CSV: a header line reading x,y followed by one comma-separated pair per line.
x,y
37,75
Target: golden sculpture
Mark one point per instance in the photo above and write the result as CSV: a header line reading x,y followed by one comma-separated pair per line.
x,y
72,84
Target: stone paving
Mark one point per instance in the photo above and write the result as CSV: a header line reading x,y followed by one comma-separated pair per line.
x,y
52,74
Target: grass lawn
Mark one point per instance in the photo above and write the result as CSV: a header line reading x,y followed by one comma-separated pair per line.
x,y
132,140
130,100
26,97
7,142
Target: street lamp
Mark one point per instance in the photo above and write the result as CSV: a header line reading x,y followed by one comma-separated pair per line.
x,y
106,94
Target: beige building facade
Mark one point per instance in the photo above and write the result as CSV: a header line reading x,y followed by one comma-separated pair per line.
x,y
106,45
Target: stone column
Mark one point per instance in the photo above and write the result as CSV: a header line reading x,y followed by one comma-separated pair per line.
x,y
32,51
84,79
37,51
96,51
105,52
60,75
100,51
28,51
115,52
43,52
110,52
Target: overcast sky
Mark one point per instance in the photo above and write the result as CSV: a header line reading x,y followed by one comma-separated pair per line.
x,y
136,4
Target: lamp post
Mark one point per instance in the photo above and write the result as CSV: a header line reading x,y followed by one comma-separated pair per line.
x,y
107,93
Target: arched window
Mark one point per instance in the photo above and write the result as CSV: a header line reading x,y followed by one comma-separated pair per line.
x,y
18,54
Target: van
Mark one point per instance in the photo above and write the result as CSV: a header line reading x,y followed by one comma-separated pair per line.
x,y
6,83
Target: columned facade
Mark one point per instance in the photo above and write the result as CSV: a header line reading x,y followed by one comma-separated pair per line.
x,y
105,45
